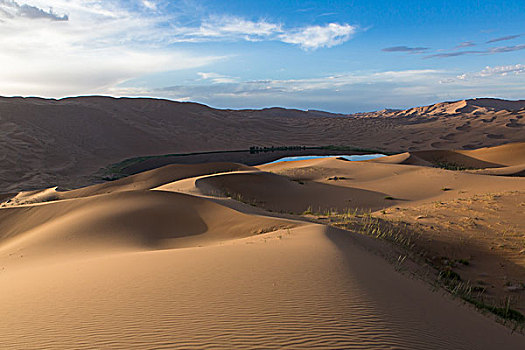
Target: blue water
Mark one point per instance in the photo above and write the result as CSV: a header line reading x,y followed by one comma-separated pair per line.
x,y
351,157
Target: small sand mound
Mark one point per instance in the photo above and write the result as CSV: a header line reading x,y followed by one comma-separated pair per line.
x,y
402,158
461,159
514,170
31,197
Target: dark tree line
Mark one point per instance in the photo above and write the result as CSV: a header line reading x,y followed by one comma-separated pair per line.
x,y
257,149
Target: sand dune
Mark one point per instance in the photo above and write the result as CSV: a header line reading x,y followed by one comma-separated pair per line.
x,y
142,181
505,160
510,154
223,255
310,288
513,170
137,220
279,193
66,142
103,267
476,105
405,184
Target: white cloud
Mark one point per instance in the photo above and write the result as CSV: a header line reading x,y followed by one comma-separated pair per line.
x,y
345,92
314,37
93,46
10,9
333,92
494,72
217,78
235,28
103,44
149,4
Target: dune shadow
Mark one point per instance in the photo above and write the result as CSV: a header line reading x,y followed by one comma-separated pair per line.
x,y
280,193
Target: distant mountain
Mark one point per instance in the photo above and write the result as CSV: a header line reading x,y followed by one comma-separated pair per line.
x,y
46,142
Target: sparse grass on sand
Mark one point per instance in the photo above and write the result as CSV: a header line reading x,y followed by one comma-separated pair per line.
x,y
468,230
406,238
452,166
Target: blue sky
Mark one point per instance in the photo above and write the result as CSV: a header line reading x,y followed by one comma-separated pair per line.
x,y
341,56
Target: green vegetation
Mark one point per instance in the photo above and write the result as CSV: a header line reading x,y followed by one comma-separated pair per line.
x,y
337,178
366,224
452,166
308,211
464,262
505,313
449,275
257,149
474,295
117,170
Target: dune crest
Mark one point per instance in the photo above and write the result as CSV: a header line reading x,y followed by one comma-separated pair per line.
x,y
505,160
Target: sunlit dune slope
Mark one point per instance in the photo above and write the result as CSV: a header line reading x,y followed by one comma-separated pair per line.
x,y
307,288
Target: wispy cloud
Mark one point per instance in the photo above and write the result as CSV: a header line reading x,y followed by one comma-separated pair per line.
x,y
227,28
504,38
465,44
313,84
150,4
495,71
323,92
348,92
216,78
489,51
507,48
405,49
454,54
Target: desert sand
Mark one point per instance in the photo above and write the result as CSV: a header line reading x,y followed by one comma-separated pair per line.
x,y
285,255
223,256
45,142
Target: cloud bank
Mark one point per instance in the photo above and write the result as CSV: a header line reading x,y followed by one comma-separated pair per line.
x,y
90,46
347,92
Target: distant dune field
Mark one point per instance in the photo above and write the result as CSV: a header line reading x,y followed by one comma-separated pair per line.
x,y
65,142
